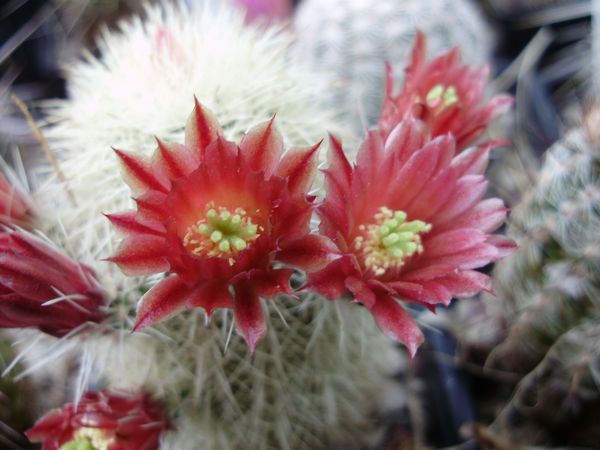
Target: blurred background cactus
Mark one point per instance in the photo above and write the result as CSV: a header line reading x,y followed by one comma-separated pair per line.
x,y
540,335
349,42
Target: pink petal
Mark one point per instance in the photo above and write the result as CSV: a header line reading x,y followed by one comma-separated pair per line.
x,y
142,255
249,316
406,290
298,166
468,192
396,323
138,173
163,300
262,147
406,138
201,129
435,292
310,253
221,162
486,216
466,283
504,245
473,161
453,241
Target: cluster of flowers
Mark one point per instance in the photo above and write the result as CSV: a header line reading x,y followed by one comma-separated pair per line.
x,y
228,224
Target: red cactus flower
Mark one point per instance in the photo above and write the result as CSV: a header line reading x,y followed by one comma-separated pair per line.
x,y
102,421
14,207
411,224
219,217
445,94
41,287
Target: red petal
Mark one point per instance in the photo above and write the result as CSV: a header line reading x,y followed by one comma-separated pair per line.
x,y
453,241
361,292
162,301
330,281
142,255
210,296
310,253
267,284
201,129
339,167
396,323
262,147
249,316
174,160
128,222
298,166
138,173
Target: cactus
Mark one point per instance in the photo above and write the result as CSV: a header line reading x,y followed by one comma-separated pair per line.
x,y
349,41
547,309
313,380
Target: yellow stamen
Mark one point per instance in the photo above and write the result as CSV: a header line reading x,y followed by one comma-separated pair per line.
x,y
387,243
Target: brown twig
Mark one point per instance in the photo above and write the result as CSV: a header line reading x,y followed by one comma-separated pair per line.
x,y
44,144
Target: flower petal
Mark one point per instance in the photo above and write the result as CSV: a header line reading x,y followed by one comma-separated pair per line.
x,y
396,323
249,316
210,296
299,166
201,129
163,300
360,291
174,160
262,147
142,255
130,223
310,253
138,173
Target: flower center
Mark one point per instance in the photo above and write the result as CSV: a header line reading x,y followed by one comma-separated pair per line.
x,y
88,439
221,233
387,243
441,96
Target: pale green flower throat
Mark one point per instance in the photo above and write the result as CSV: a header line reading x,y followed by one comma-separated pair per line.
x,y
221,233
388,242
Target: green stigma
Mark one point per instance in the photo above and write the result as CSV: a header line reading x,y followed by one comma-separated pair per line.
x,y
221,233
388,242
88,439
441,96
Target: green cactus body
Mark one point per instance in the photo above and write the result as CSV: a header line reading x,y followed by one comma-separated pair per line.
x,y
350,40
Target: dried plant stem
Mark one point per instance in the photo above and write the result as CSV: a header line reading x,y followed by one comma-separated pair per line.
x,y
44,144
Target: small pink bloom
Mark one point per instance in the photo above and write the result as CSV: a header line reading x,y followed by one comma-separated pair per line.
x,y
444,93
218,217
41,287
102,420
269,10
410,220
15,209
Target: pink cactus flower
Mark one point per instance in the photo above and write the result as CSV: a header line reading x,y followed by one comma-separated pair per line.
x,y
410,220
269,10
445,94
219,218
